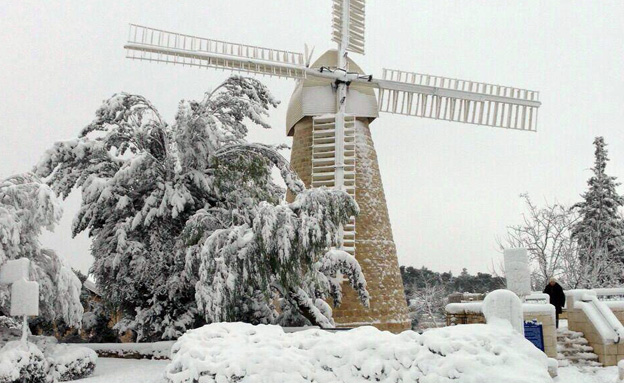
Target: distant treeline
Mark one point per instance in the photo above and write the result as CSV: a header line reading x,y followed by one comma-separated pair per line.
x,y
414,279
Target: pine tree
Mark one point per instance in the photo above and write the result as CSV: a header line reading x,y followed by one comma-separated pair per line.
x,y
188,226
600,230
27,205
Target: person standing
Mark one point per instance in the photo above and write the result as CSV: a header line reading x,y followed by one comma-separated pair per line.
x,y
557,297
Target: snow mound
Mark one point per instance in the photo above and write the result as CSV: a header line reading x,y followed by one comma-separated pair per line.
x,y
504,305
70,362
43,360
23,362
238,352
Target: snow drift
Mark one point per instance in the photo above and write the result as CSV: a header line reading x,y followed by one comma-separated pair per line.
x,y
237,352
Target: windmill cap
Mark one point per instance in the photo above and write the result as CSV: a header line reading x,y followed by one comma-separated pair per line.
x,y
315,97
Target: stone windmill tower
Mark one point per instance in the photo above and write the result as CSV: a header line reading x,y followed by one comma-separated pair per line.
x,y
311,123
328,117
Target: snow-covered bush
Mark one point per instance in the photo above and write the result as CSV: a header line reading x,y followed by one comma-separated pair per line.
x,y
232,352
23,363
42,359
187,223
26,207
70,362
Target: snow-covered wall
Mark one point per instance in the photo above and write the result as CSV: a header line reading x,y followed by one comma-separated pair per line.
x,y
462,313
156,350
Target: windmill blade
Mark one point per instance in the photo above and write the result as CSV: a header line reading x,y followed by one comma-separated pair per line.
x,y
151,44
349,18
442,98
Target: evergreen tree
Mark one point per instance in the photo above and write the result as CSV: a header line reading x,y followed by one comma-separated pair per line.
x,y
188,226
27,205
600,230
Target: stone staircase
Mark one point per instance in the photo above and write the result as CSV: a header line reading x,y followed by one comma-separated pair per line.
x,y
573,348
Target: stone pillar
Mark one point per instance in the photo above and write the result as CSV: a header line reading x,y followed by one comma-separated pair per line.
x,y
374,246
517,271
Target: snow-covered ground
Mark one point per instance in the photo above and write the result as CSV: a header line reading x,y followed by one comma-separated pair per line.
x,y
573,374
460,353
113,370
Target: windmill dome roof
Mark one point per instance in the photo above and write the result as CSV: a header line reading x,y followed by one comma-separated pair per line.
x,y
315,97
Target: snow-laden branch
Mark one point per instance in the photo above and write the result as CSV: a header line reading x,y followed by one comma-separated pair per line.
x,y
293,182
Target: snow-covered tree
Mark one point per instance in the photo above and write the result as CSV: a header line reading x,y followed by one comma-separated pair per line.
x,y
26,207
187,223
600,230
545,233
426,304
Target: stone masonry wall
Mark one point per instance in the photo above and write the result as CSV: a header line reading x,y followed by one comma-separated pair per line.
x,y
548,326
375,248
608,354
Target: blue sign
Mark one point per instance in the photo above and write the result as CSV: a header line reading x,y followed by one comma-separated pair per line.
x,y
534,333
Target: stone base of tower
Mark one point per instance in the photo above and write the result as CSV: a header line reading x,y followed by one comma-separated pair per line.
x,y
374,246
388,308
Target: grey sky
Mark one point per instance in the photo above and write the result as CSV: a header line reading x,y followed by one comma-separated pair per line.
x,y
451,188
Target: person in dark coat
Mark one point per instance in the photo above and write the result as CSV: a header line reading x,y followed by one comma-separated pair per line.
x,y
557,297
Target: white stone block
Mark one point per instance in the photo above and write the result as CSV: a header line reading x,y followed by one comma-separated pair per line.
x,y
517,271
504,305
14,270
24,298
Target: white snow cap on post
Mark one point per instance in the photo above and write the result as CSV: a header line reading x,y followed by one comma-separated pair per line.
x,y
14,270
25,298
517,271
504,305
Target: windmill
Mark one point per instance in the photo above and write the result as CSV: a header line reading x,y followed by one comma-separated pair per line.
x,y
329,115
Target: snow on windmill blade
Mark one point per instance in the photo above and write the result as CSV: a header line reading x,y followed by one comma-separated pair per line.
x,y
355,19
442,98
152,44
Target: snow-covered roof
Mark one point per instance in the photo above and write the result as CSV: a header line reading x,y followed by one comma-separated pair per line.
x,y
90,285
477,308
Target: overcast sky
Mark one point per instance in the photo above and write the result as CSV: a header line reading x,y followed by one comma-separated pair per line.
x,y
451,188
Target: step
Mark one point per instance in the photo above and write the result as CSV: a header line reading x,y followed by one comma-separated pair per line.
x,y
583,356
578,348
569,333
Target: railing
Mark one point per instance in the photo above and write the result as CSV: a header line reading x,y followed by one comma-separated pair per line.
x,y
610,294
598,312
